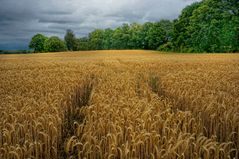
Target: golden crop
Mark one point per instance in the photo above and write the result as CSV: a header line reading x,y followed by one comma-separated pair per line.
x,y
119,105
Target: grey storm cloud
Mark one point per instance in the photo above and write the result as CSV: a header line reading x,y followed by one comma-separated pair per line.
x,y
21,19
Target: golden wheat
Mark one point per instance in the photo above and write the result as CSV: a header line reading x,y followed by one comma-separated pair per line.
x,y
119,104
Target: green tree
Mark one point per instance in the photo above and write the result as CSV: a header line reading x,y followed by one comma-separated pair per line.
x,y
228,36
136,37
144,34
121,37
156,36
217,21
107,39
208,26
96,39
83,44
167,26
37,43
55,44
71,41
180,28
117,39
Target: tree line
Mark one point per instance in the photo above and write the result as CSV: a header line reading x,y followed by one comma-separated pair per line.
x,y
206,26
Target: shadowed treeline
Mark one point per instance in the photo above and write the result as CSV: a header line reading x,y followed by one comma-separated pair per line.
x,y
206,26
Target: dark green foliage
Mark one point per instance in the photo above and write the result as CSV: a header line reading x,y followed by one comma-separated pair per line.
x,y
144,34
157,36
54,44
206,26
134,36
96,39
166,47
37,43
83,44
121,37
71,41
167,26
180,28
107,40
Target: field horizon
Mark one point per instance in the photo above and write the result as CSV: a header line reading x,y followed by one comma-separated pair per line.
x,y
121,51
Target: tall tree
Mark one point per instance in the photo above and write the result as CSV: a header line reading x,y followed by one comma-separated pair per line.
x,y
180,29
96,39
136,38
121,37
107,40
156,36
37,43
167,26
144,34
55,44
71,41
208,26
83,43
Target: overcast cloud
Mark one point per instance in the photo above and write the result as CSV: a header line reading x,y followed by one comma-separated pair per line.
x,y
21,19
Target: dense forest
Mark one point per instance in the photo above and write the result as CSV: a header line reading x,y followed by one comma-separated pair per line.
x,y
206,26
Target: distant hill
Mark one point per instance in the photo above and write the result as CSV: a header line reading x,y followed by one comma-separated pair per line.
x,y
15,51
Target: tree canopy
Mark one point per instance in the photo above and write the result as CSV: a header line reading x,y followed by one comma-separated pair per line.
x,y
208,26
54,44
205,26
71,41
37,43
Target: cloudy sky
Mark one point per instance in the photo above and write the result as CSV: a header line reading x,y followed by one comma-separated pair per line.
x,y
21,19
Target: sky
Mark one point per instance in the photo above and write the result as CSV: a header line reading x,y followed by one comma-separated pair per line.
x,y
22,19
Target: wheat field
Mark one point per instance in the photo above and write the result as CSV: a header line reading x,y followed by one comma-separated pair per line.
x,y
119,105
